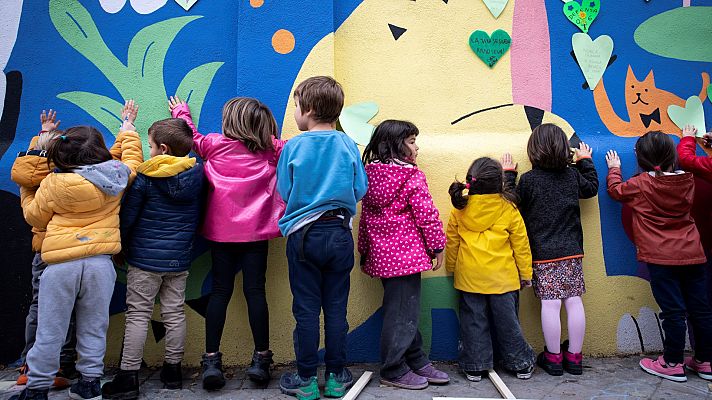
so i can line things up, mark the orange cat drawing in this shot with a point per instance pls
(647, 106)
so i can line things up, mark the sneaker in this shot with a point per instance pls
(573, 362)
(432, 374)
(125, 386)
(259, 371)
(659, 368)
(172, 376)
(475, 376)
(69, 371)
(86, 389)
(304, 389)
(551, 363)
(30, 394)
(525, 373)
(22, 379)
(61, 381)
(337, 384)
(703, 369)
(213, 378)
(410, 380)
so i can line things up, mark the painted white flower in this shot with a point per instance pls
(140, 6)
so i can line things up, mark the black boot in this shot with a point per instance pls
(31, 394)
(259, 371)
(213, 378)
(172, 376)
(123, 387)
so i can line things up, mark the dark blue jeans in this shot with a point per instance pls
(681, 291)
(320, 280)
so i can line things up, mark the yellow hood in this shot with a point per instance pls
(165, 166)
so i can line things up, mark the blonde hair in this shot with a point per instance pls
(46, 138)
(249, 121)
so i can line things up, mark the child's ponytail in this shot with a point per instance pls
(458, 199)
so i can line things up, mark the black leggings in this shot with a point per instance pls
(228, 259)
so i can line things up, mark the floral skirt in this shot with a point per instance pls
(559, 279)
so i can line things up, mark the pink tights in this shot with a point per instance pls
(551, 324)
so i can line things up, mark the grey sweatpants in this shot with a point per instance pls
(68, 352)
(84, 285)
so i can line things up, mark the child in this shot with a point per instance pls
(79, 207)
(549, 202)
(241, 216)
(29, 169)
(488, 250)
(159, 217)
(667, 240)
(400, 232)
(321, 178)
(700, 166)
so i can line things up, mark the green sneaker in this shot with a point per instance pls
(337, 384)
(292, 384)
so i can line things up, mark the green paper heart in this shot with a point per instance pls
(692, 114)
(592, 56)
(582, 15)
(354, 121)
(496, 6)
(186, 4)
(490, 49)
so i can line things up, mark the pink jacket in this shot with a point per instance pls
(243, 204)
(400, 226)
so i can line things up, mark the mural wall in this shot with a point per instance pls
(475, 76)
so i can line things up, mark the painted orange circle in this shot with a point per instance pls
(283, 41)
(257, 3)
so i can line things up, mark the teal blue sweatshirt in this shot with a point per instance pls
(319, 171)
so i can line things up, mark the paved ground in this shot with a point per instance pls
(603, 379)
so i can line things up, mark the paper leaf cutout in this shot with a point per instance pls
(186, 4)
(490, 49)
(582, 15)
(354, 121)
(692, 114)
(592, 56)
(496, 6)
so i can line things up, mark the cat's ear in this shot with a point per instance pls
(630, 76)
(650, 78)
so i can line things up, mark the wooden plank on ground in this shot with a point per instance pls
(358, 386)
(501, 387)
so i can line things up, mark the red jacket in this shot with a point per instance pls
(663, 230)
(689, 161)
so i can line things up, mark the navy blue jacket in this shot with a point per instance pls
(159, 218)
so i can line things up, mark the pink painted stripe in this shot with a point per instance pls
(531, 55)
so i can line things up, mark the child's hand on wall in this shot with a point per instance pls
(507, 162)
(128, 115)
(583, 151)
(174, 102)
(526, 283)
(439, 257)
(612, 159)
(688, 131)
(49, 120)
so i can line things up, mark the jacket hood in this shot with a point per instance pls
(179, 178)
(391, 177)
(670, 196)
(482, 211)
(111, 177)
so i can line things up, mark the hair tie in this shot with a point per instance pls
(467, 185)
(657, 168)
(63, 138)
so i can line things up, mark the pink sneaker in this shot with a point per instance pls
(660, 368)
(703, 369)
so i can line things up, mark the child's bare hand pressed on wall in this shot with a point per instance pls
(612, 159)
(49, 120)
(174, 101)
(507, 162)
(583, 151)
(128, 115)
(688, 131)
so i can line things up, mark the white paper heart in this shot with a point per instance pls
(692, 114)
(592, 56)
(496, 6)
(186, 4)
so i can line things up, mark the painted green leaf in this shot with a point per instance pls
(195, 85)
(76, 26)
(105, 110)
(147, 51)
(684, 33)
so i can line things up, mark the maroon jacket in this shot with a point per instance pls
(664, 232)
